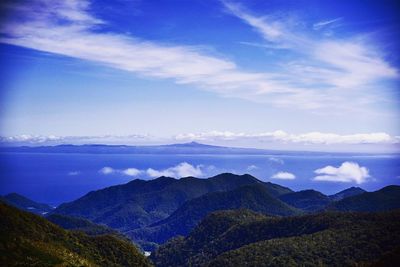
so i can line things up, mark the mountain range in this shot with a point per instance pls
(195, 222)
(141, 203)
(151, 212)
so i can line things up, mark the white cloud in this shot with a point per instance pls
(284, 176)
(183, 169)
(349, 64)
(306, 138)
(74, 173)
(107, 170)
(346, 172)
(27, 138)
(127, 172)
(39, 29)
(131, 172)
(53, 139)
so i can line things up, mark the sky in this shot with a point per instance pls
(313, 75)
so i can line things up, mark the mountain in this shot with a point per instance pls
(26, 204)
(31, 240)
(387, 198)
(244, 238)
(253, 197)
(307, 200)
(349, 192)
(141, 203)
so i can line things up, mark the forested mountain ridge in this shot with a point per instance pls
(253, 197)
(140, 203)
(387, 198)
(332, 239)
(26, 204)
(29, 240)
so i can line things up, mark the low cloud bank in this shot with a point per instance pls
(347, 172)
(279, 136)
(183, 169)
(284, 137)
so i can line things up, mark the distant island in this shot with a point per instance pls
(184, 148)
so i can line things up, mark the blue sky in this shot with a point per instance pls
(276, 74)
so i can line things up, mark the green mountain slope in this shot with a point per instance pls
(29, 240)
(182, 221)
(324, 239)
(387, 198)
(26, 204)
(276, 190)
(307, 200)
(83, 225)
(140, 203)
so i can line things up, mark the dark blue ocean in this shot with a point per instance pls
(55, 178)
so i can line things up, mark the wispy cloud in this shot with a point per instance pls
(321, 24)
(334, 67)
(252, 167)
(346, 172)
(68, 28)
(284, 176)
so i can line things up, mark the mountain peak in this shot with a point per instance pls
(352, 191)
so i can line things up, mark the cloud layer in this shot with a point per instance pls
(279, 136)
(183, 169)
(68, 28)
(348, 172)
(306, 138)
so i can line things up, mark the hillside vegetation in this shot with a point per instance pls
(324, 239)
(29, 240)
(26, 204)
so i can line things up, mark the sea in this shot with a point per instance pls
(55, 178)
